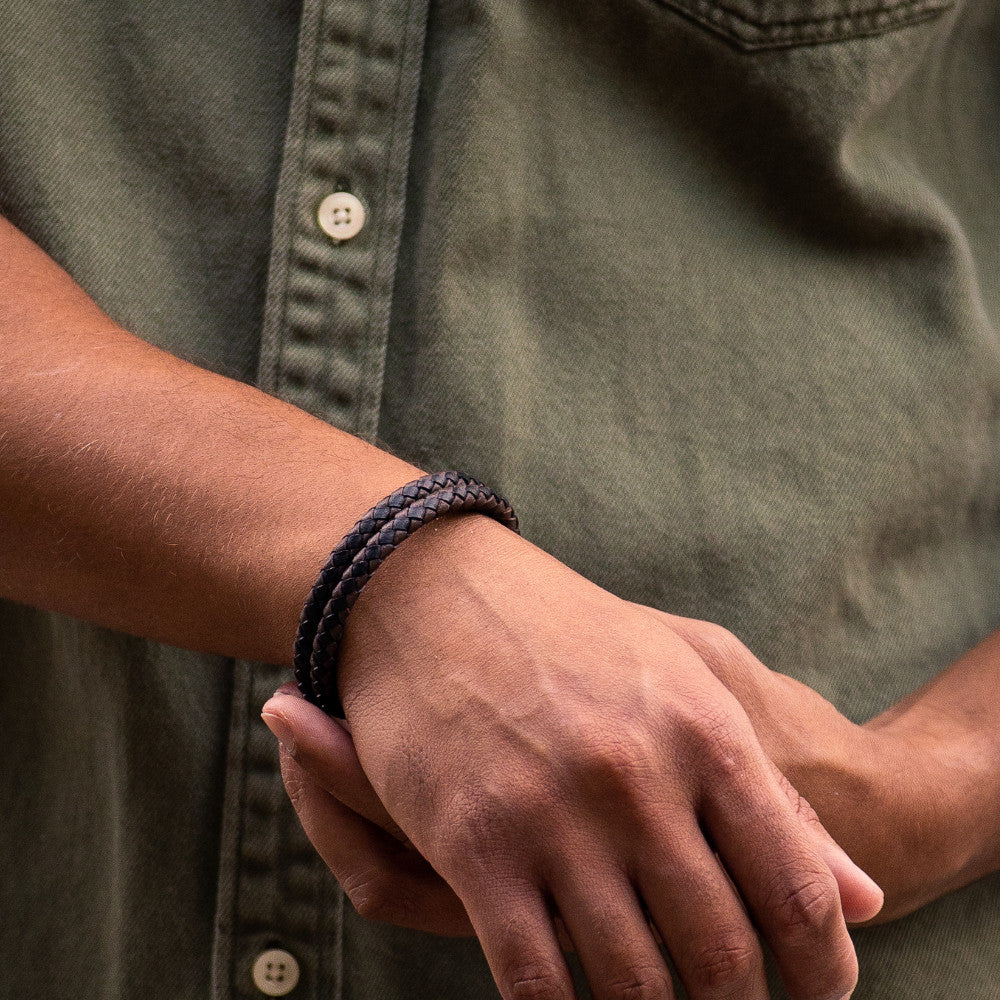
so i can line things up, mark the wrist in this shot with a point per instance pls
(284, 548)
(442, 578)
(962, 767)
(931, 827)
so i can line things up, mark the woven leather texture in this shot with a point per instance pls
(342, 556)
(358, 555)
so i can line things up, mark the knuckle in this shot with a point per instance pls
(806, 906)
(728, 648)
(723, 965)
(295, 787)
(716, 645)
(475, 820)
(727, 656)
(731, 764)
(530, 802)
(709, 722)
(485, 826)
(640, 984)
(376, 897)
(617, 763)
(720, 743)
(538, 983)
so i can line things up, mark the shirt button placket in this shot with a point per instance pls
(332, 278)
(338, 220)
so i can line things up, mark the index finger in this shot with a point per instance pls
(384, 880)
(324, 748)
(784, 881)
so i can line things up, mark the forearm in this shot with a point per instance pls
(143, 493)
(913, 796)
(954, 722)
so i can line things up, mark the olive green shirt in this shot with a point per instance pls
(708, 288)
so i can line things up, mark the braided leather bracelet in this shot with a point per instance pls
(360, 553)
(340, 558)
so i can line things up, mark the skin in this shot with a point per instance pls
(912, 795)
(546, 745)
(609, 770)
(154, 497)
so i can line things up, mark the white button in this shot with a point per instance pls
(341, 215)
(275, 972)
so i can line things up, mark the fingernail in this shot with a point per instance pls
(281, 730)
(289, 689)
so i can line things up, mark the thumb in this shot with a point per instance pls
(324, 748)
(860, 896)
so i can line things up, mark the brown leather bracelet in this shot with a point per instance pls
(341, 557)
(360, 553)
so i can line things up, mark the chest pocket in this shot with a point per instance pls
(769, 24)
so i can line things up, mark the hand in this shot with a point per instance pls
(582, 783)
(903, 794)
(381, 872)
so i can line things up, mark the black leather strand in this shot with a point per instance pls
(360, 553)
(340, 558)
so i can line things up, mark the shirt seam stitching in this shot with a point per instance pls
(869, 15)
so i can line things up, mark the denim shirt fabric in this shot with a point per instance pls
(708, 289)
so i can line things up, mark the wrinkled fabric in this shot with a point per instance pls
(708, 289)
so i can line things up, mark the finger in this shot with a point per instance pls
(860, 896)
(325, 749)
(700, 917)
(384, 880)
(516, 932)
(562, 935)
(784, 881)
(612, 936)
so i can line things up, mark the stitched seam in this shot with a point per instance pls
(318, 937)
(240, 829)
(906, 8)
(376, 346)
(339, 931)
(299, 171)
(370, 287)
